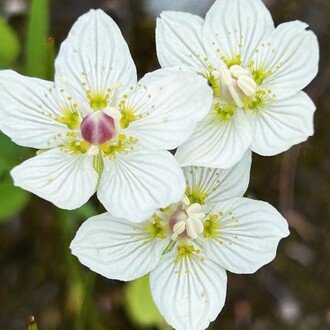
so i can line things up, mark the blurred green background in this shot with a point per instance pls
(39, 276)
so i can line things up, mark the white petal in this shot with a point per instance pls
(113, 112)
(116, 248)
(286, 123)
(189, 294)
(66, 180)
(134, 185)
(248, 235)
(234, 28)
(94, 53)
(27, 110)
(215, 143)
(179, 41)
(168, 106)
(291, 54)
(185, 200)
(217, 185)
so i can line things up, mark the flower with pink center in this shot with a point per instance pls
(188, 246)
(99, 130)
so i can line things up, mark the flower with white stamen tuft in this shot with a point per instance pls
(256, 73)
(188, 246)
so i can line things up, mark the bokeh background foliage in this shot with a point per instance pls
(39, 276)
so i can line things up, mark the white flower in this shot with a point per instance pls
(256, 73)
(189, 245)
(98, 129)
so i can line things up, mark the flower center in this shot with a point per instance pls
(98, 128)
(187, 220)
(236, 84)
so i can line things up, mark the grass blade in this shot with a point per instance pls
(36, 44)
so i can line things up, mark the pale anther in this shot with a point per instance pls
(237, 71)
(247, 85)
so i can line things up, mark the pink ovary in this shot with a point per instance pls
(98, 128)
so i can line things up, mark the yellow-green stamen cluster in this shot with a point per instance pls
(185, 251)
(214, 82)
(121, 145)
(211, 226)
(156, 229)
(127, 116)
(70, 117)
(75, 146)
(258, 102)
(258, 74)
(223, 112)
(98, 101)
(127, 113)
(196, 195)
(235, 60)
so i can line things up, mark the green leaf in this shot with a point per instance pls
(10, 46)
(11, 154)
(50, 57)
(13, 199)
(140, 305)
(36, 45)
